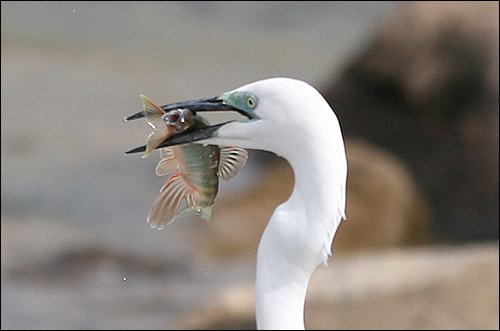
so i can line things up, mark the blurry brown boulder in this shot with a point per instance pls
(426, 90)
(384, 208)
(419, 110)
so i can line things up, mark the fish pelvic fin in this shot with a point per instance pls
(232, 159)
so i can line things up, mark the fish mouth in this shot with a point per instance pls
(195, 134)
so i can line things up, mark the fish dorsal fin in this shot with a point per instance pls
(232, 159)
(153, 114)
(168, 162)
(168, 202)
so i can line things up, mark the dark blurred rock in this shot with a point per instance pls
(98, 263)
(426, 89)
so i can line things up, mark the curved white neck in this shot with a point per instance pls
(299, 235)
(296, 123)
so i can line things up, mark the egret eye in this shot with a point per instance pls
(251, 102)
(244, 102)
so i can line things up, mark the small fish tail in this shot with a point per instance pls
(153, 114)
(206, 213)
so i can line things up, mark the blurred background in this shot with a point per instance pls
(415, 86)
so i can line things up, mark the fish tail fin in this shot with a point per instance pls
(151, 109)
(168, 202)
(153, 114)
(206, 213)
(186, 212)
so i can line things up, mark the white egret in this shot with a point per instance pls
(291, 119)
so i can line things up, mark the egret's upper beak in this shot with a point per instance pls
(206, 104)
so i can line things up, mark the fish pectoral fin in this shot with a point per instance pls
(232, 159)
(168, 162)
(168, 202)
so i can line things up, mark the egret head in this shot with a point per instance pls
(279, 112)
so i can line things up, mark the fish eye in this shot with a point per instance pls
(251, 102)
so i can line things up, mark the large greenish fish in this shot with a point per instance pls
(194, 168)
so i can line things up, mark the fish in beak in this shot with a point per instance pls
(230, 101)
(194, 168)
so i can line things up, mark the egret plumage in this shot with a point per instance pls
(291, 119)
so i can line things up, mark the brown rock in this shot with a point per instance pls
(426, 90)
(384, 207)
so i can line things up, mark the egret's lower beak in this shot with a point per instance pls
(207, 104)
(184, 137)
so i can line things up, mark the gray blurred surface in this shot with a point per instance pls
(76, 251)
